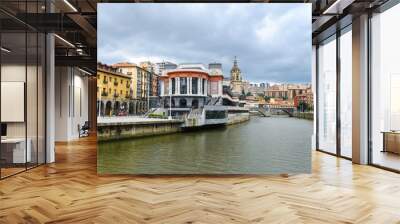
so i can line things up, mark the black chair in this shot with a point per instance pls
(84, 130)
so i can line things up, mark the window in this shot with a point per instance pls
(203, 87)
(183, 85)
(385, 89)
(194, 85)
(215, 114)
(173, 85)
(346, 93)
(327, 95)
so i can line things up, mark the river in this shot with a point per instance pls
(263, 145)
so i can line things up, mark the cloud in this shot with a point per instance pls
(271, 41)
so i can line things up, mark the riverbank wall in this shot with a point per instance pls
(134, 128)
(304, 115)
(115, 128)
(236, 118)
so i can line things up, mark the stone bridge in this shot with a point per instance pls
(273, 108)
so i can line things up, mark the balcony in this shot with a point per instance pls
(116, 95)
(103, 93)
(115, 83)
(105, 81)
(128, 85)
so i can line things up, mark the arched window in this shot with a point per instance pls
(195, 104)
(182, 103)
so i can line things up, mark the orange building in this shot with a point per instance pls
(190, 86)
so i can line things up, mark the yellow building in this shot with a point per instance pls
(130, 70)
(113, 91)
(139, 86)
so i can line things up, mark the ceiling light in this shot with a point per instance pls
(86, 72)
(70, 5)
(338, 6)
(5, 50)
(65, 41)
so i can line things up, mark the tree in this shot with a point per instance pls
(303, 106)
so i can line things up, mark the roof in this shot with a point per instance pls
(124, 64)
(110, 70)
(198, 66)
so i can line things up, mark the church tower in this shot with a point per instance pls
(236, 79)
(235, 72)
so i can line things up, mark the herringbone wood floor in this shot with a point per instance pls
(69, 191)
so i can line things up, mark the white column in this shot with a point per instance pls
(50, 99)
(198, 86)
(178, 85)
(206, 87)
(189, 85)
(170, 86)
(360, 90)
(162, 88)
(220, 87)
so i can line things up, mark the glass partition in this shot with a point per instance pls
(22, 101)
(327, 95)
(15, 150)
(385, 89)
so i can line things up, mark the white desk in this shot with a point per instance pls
(18, 149)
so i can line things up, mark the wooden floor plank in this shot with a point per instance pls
(70, 191)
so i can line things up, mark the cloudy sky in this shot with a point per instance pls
(272, 41)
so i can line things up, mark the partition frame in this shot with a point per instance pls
(382, 8)
(339, 32)
(44, 94)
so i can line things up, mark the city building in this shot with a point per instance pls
(113, 91)
(160, 67)
(189, 86)
(140, 86)
(128, 68)
(256, 89)
(147, 65)
(286, 91)
(277, 91)
(296, 89)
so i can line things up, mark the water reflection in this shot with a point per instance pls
(260, 146)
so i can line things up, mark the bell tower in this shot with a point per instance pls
(236, 78)
(235, 71)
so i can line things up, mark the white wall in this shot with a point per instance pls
(71, 103)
